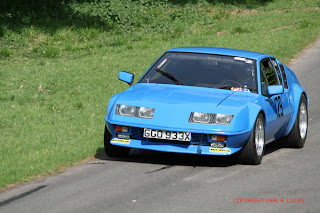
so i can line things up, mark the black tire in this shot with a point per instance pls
(112, 150)
(294, 139)
(250, 154)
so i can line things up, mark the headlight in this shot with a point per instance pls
(223, 119)
(126, 110)
(134, 111)
(145, 112)
(200, 117)
(210, 118)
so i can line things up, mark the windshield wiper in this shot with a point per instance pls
(170, 76)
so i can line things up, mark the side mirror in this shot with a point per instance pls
(126, 77)
(275, 90)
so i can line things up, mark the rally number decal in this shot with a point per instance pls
(279, 107)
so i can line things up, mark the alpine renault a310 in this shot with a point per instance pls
(208, 101)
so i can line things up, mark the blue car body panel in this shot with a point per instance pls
(295, 91)
(174, 103)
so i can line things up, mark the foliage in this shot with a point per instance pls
(5, 53)
(49, 28)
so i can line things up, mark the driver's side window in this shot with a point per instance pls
(267, 68)
(264, 84)
(268, 75)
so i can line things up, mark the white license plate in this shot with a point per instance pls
(167, 135)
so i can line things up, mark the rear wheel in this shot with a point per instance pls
(112, 150)
(297, 136)
(252, 152)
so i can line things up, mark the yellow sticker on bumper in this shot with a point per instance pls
(220, 150)
(116, 140)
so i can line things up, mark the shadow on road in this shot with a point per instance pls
(14, 198)
(171, 159)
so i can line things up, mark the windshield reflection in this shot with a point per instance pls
(204, 70)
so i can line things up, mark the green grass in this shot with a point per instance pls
(55, 83)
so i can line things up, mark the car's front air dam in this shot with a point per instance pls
(177, 148)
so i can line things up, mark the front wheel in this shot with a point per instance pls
(252, 152)
(112, 150)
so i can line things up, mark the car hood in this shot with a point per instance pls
(156, 94)
(174, 103)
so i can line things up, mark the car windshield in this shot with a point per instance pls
(204, 70)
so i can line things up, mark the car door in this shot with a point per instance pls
(288, 100)
(276, 105)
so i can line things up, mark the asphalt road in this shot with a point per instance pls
(160, 182)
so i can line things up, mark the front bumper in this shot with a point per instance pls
(176, 148)
(199, 144)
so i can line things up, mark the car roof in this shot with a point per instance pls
(221, 51)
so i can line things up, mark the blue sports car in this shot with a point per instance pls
(209, 101)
